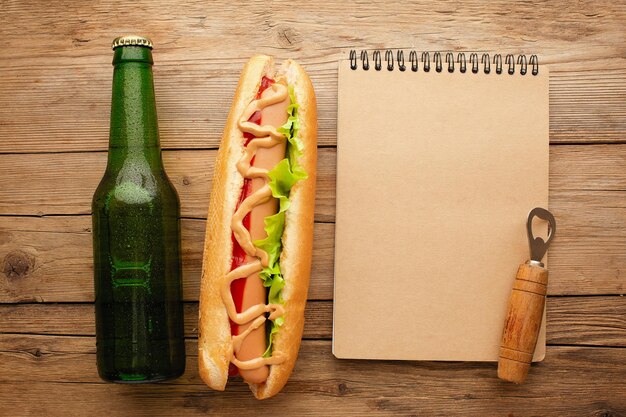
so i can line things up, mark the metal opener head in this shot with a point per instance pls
(538, 246)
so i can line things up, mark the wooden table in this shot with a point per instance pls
(55, 86)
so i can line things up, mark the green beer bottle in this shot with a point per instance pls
(136, 235)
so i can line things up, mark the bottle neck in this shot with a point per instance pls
(134, 131)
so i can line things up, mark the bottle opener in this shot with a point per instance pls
(526, 305)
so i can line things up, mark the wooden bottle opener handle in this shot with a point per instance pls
(523, 321)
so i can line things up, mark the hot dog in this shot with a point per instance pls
(259, 236)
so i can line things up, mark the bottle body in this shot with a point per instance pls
(136, 239)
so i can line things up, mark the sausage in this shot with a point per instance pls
(255, 344)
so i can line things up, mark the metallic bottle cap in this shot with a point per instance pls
(131, 40)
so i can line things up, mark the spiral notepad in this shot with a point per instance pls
(440, 157)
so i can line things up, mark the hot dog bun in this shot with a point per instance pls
(214, 345)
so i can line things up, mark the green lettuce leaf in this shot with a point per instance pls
(282, 178)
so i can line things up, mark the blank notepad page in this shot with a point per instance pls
(436, 174)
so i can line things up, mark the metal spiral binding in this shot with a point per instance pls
(401, 65)
(510, 61)
(450, 61)
(389, 59)
(534, 61)
(462, 61)
(437, 58)
(485, 60)
(426, 61)
(414, 61)
(365, 60)
(497, 60)
(474, 62)
(353, 63)
(378, 62)
(522, 61)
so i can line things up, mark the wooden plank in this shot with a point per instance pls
(78, 320)
(199, 55)
(587, 190)
(578, 102)
(49, 259)
(41, 374)
(587, 197)
(580, 168)
(308, 398)
(202, 33)
(45, 184)
(193, 102)
(590, 321)
(193, 35)
(593, 321)
(590, 242)
(65, 183)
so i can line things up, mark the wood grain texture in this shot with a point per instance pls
(65, 67)
(78, 320)
(55, 86)
(522, 323)
(60, 183)
(61, 373)
(44, 184)
(49, 259)
(595, 320)
(586, 321)
(587, 197)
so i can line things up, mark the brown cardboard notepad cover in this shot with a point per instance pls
(436, 173)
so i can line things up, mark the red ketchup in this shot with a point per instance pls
(239, 255)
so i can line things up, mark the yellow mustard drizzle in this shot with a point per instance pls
(266, 136)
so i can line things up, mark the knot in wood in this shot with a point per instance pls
(605, 413)
(342, 388)
(288, 37)
(18, 264)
